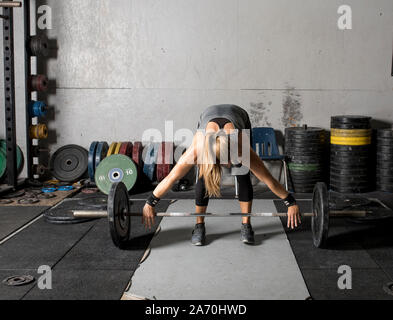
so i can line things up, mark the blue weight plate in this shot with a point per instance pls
(150, 160)
(101, 151)
(91, 162)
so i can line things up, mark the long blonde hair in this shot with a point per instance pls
(214, 153)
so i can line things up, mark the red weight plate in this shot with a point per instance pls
(126, 149)
(165, 160)
(137, 149)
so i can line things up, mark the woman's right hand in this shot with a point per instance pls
(148, 216)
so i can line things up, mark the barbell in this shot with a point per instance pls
(119, 215)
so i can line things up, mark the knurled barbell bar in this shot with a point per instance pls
(119, 215)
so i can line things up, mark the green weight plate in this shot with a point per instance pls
(3, 163)
(115, 168)
(19, 155)
(118, 218)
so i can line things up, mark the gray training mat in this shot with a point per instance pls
(225, 268)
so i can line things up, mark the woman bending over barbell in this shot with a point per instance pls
(221, 140)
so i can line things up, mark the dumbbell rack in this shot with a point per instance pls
(9, 92)
(9, 89)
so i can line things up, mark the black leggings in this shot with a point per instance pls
(245, 190)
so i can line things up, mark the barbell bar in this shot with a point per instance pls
(119, 215)
(10, 4)
(90, 214)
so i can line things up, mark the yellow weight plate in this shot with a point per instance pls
(351, 141)
(118, 148)
(39, 131)
(350, 132)
(111, 149)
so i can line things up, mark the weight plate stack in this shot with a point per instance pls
(304, 150)
(385, 160)
(350, 154)
(164, 160)
(69, 163)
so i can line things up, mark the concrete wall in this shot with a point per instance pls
(123, 66)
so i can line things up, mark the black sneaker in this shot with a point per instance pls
(247, 234)
(199, 235)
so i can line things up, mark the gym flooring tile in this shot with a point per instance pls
(15, 293)
(85, 263)
(366, 284)
(13, 218)
(96, 250)
(41, 243)
(309, 257)
(225, 268)
(83, 285)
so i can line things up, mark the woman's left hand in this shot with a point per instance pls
(293, 216)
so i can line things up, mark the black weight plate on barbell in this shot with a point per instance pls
(69, 163)
(385, 133)
(320, 218)
(119, 221)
